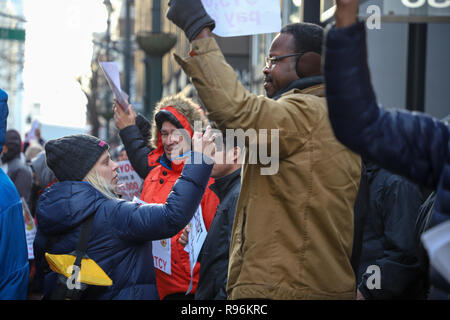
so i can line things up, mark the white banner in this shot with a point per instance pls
(244, 17)
(197, 236)
(161, 250)
(30, 228)
(129, 181)
(162, 255)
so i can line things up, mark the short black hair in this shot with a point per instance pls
(307, 36)
(227, 144)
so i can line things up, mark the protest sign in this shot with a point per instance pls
(32, 133)
(161, 250)
(244, 17)
(30, 228)
(197, 236)
(162, 253)
(129, 181)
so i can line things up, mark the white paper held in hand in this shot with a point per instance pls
(196, 237)
(437, 242)
(111, 71)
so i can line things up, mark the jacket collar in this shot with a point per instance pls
(169, 165)
(301, 84)
(370, 169)
(222, 185)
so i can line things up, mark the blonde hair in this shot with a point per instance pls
(99, 183)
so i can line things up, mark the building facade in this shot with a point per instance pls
(245, 54)
(12, 40)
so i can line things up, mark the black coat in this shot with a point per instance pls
(215, 251)
(391, 205)
(135, 138)
(413, 145)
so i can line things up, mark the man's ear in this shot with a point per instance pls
(309, 65)
(236, 154)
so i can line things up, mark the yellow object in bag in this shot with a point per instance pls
(90, 272)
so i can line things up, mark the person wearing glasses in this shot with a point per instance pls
(293, 229)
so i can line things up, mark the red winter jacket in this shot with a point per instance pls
(157, 186)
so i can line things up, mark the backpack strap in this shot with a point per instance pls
(83, 240)
(61, 291)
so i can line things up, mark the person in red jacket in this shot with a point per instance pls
(159, 167)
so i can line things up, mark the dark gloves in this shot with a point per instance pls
(190, 16)
(144, 126)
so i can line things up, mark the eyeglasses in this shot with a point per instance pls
(270, 61)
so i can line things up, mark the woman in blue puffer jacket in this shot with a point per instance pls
(121, 235)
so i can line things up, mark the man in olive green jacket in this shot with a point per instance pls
(293, 229)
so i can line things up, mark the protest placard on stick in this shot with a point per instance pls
(129, 181)
(244, 17)
(30, 228)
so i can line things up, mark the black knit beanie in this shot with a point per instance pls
(72, 157)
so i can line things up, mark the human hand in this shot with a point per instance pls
(204, 143)
(359, 295)
(184, 237)
(190, 16)
(346, 12)
(123, 118)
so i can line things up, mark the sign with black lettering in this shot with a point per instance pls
(244, 17)
(129, 181)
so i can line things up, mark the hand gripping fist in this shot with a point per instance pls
(190, 16)
(346, 12)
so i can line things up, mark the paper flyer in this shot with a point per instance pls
(437, 243)
(197, 236)
(30, 229)
(111, 71)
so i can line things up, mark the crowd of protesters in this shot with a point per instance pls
(356, 184)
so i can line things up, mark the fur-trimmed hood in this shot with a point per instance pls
(186, 107)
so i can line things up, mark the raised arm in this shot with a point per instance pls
(133, 139)
(157, 221)
(287, 120)
(410, 144)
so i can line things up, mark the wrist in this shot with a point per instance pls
(345, 21)
(345, 18)
(205, 33)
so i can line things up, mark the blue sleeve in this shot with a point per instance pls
(3, 116)
(135, 222)
(407, 143)
(14, 268)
